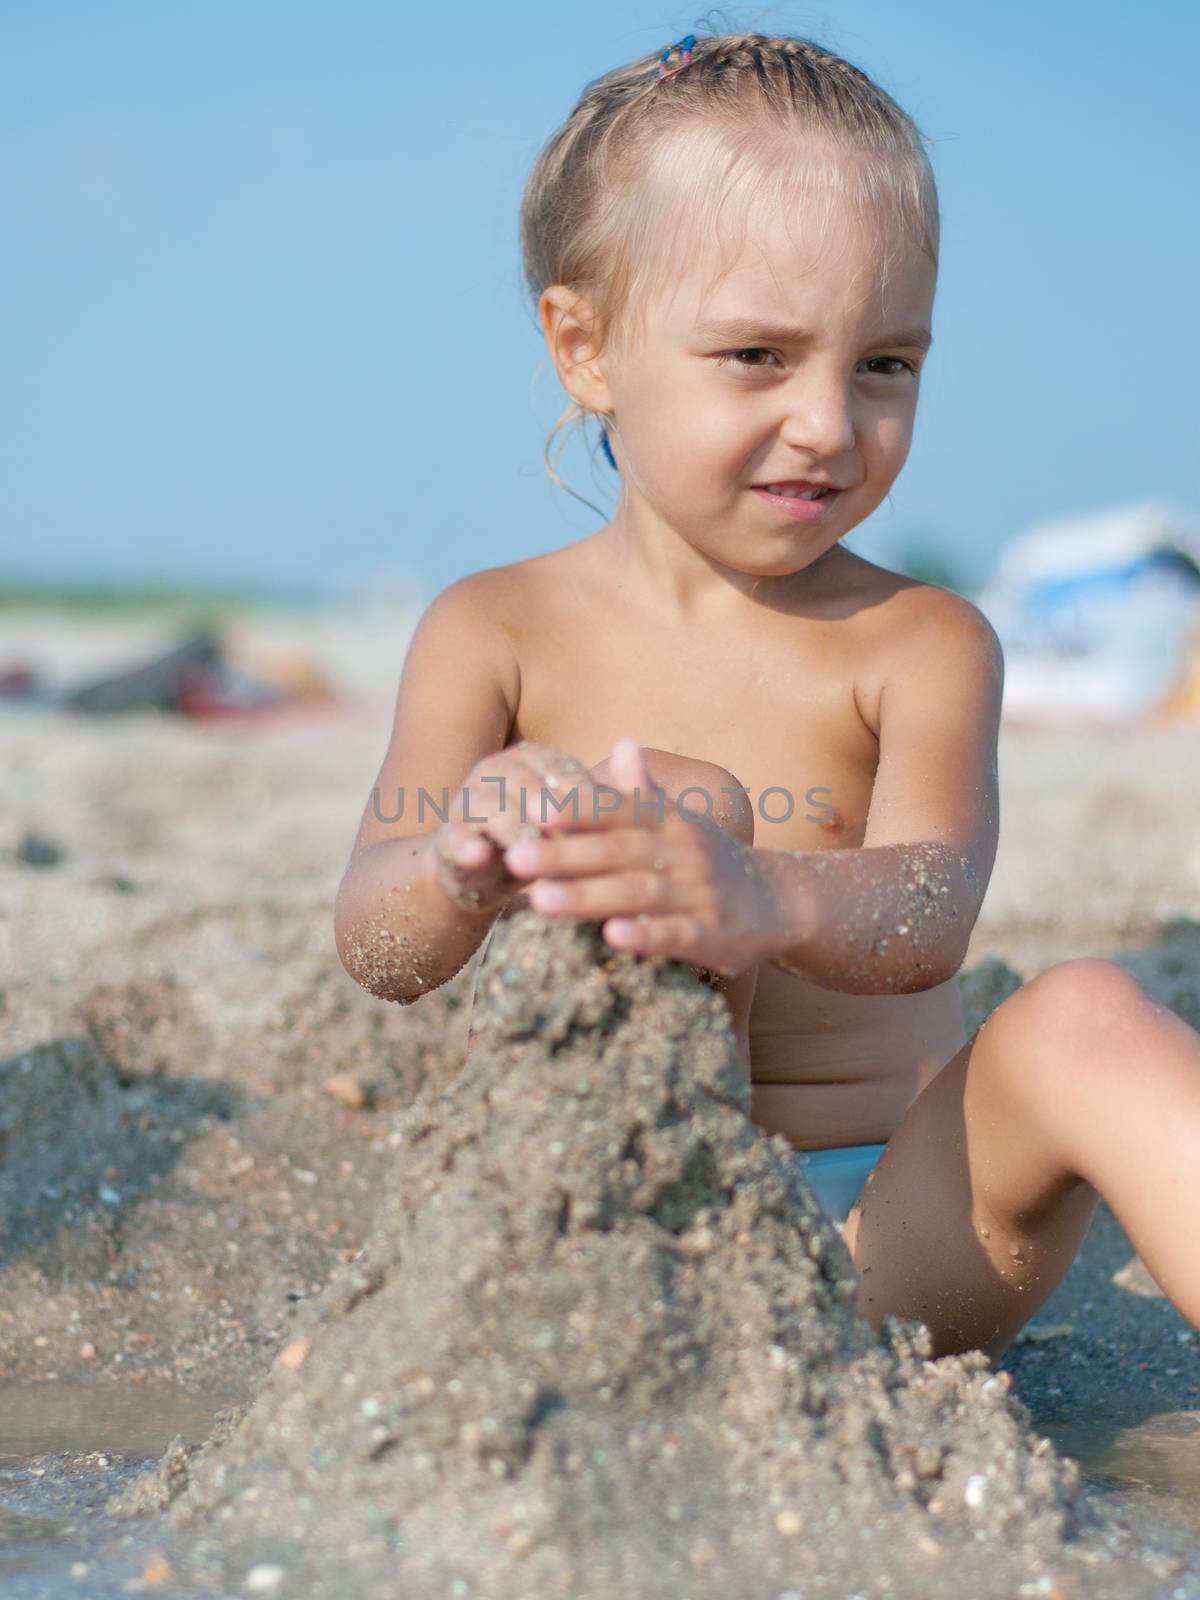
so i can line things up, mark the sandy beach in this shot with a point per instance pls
(199, 1112)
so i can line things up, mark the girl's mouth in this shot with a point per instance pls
(804, 502)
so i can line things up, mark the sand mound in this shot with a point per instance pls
(602, 1341)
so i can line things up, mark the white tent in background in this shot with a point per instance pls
(1100, 618)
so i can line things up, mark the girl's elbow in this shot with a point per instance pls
(368, 954)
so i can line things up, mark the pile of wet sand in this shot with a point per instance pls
(178, 1178)
(601, 1341)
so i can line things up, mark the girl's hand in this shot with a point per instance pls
(679, 887)
(501, 800)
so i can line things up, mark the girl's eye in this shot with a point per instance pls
(878, 366)
(736, 356)
(890, 366)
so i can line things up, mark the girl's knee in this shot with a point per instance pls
(1076, 996)
(1052, 1039)
(1085, 997)
(699, 786)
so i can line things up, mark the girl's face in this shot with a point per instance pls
(799, 369)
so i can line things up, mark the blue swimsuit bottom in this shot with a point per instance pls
(836, 1176)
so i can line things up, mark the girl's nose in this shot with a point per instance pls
(821, 418)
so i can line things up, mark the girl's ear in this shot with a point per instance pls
(567, 320)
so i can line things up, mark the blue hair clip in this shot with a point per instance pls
(686, 46)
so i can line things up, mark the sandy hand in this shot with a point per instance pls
(664, 880)
(503, 799)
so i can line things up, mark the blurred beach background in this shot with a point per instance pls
(266, 337)
(272, 382)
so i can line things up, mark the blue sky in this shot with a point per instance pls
(263, 321)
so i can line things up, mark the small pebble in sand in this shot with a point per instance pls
(87, 1352)
(156, 1571)
(293, 1355)
(36, 850)
(1044, 1333)
(351, 1091)
(789, 1523)
(265, 1578)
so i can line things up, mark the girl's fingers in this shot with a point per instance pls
(471, 869)
(557, 768)
(497, 814)
(584, 854)
(627, 762)
(462, 847)
(550, 794)
(619, 894)
(524, 802)
(671, 936)
(549, 781)
(597, 807)
(472, 851)
(578, 801)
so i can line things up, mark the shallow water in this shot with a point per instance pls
(64, 1448)
(137, 1419)
(1153, 1462)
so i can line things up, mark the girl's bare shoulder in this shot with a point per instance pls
(504, 594)
(892, 603)
(912, 631)
(522, 578)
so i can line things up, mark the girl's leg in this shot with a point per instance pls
(1076, 1086)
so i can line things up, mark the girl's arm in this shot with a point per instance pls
(398, 932)
(895, 916)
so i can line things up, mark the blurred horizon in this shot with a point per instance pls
(265, 328)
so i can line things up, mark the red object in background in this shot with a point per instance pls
(204, 691)
(199, 678)
(16, 683)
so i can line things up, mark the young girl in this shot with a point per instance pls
(763, 755)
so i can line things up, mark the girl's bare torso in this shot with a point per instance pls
(784, 696)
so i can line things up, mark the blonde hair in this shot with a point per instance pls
(614, 198)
